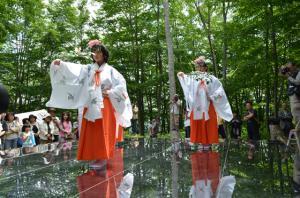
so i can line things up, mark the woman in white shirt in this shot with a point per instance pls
(46, 129)
(11, 136)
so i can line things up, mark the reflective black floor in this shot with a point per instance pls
(159, 170)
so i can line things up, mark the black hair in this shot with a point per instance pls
(249, 102)
(51, 109)
(8, 114)
(26, 126)
(203, 65)
(102, 49)
(32, 116)
(25, 120)
(65, 113)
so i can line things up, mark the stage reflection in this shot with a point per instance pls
(205, 173)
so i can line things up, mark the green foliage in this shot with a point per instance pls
(249, 46)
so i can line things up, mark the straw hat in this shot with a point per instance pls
(45, 115)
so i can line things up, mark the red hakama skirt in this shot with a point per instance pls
(97, 139)
(205, 132)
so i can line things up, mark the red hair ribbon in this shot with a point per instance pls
(97, 78)
(202, 84)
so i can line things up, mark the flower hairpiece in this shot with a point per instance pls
(200, 60)
(92, 43)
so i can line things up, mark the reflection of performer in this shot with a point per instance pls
(205, 98)
(103, 182)
(206, 174)
(101, 89)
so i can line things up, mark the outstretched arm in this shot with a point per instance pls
(69, 83)
(187, 84)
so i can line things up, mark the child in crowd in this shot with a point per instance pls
(27, 137)
(65, 127)
(34, 128)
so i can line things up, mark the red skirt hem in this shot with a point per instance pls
(97, 139)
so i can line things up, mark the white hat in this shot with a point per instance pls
(45, 115)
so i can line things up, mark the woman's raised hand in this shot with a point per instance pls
(105, 92)
(56, 62)
(180, 74)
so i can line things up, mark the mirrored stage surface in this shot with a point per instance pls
(158, 168)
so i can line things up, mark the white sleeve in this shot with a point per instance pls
(120, 100)
(69, 85)
(186, 83)
(218, 96)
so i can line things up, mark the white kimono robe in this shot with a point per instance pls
(73, 87)
(200, 88)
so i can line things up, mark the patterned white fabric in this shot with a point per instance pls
(73, 87)
(201, 88)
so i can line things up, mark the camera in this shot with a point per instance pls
(284, 70)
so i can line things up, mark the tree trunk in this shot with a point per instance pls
(172, 87)
(225, 43)
(159, 63)
(275, 60)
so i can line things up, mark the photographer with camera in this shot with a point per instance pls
(291, 72)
